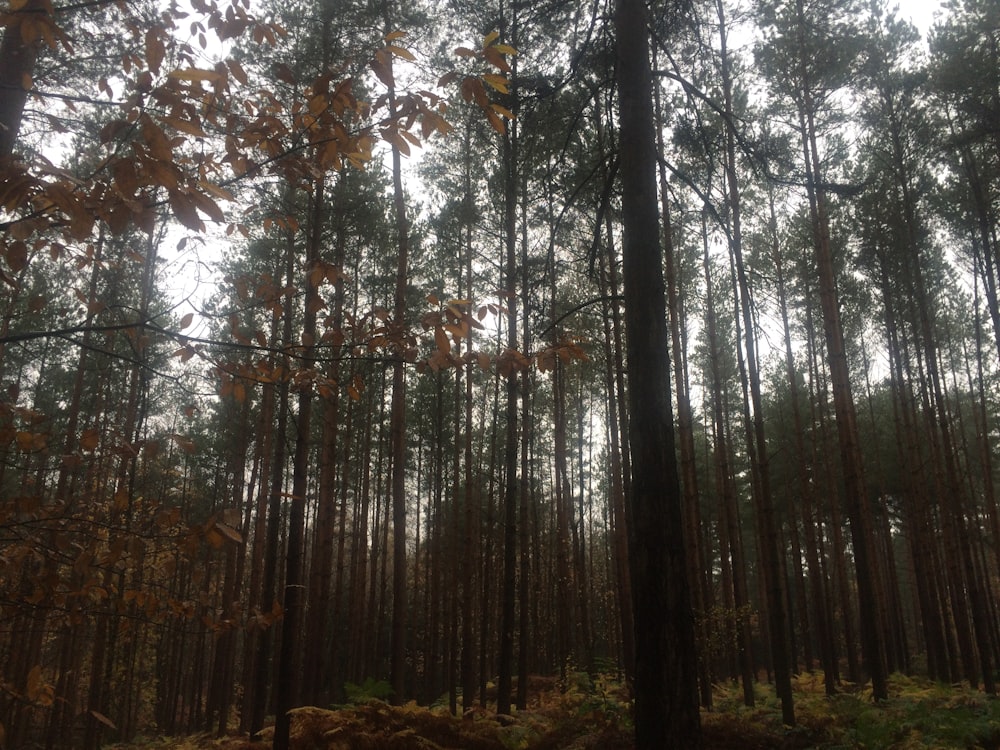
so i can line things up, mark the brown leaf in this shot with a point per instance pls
(209, 207)
(185, 444)
(120, 500)
(186, 126)
(185, 353)
(17, 256)
(401, 52)
(229, 532)
(103, 719)
(185, 211)
(156, 139)
(448, 78)
(34, 683)
(237, 70)
(284, 73)
(154, 49)
(496, 59)
(442, 340)
(89, 439)
(497, 82)
(112, 129)
(125, 176)
(196, 74)
(30, 442)
(382, 72)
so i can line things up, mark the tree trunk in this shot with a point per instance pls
(287, 686)
(397, 428)
(770, 532)
(17, 63)
(666, 677)
(729, 512)
(821, 615)
(511, 480)
(856, 497)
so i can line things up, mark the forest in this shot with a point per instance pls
(447, 354)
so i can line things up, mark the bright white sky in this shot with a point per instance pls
(920, 12)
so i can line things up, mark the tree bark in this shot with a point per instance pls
(511, 479)
(666, 677)
(17, 63)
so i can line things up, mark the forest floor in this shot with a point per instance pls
(594, 715)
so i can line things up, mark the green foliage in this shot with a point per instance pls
(606, 702)
(722, 634)
(918, 714)
(369, 690)
(517, 736)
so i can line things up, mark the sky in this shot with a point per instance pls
(920, 12)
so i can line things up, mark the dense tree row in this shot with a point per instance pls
(342, 354)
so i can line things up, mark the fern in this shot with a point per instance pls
(369, 690)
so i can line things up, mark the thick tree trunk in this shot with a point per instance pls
(17, 63)
(666, 701)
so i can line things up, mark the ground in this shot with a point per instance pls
(593, 714)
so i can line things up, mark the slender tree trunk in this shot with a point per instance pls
(511, 483)
(471, 525)
(287, 687)
(276, 485)
(733, 549)
(318, 660)
(618, 522)
(856, 496)
(821, 615)
(617, 428)
(526, 485)
(397, 425)
(257, 604)
(823, 458)
(770, 532)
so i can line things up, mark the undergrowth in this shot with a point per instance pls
(594, 713)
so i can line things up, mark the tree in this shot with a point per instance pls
(666, 708)
(810, 55)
